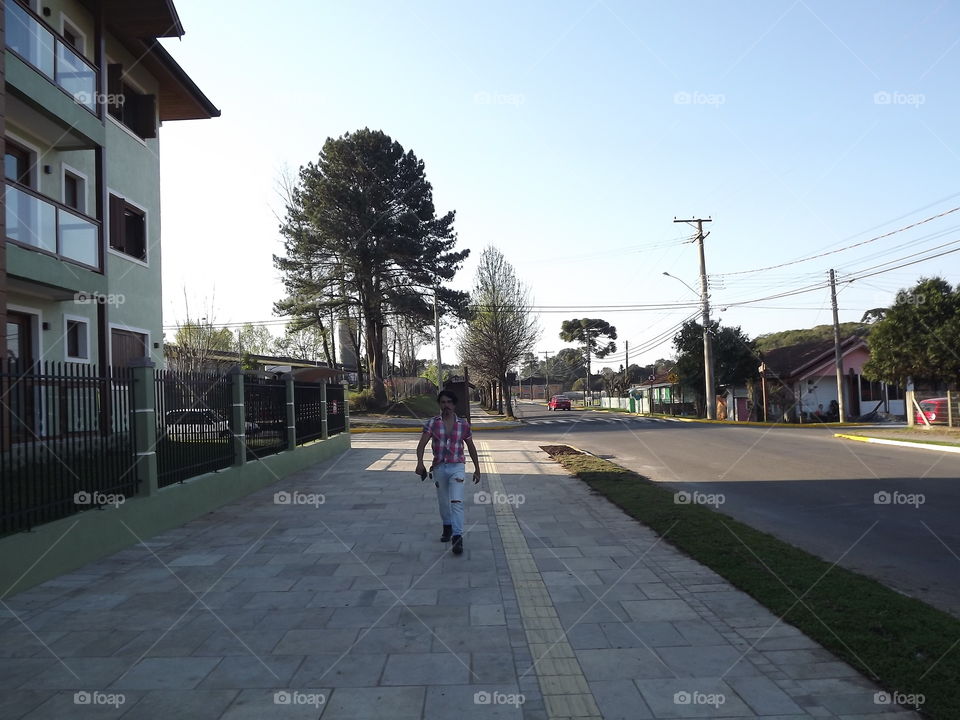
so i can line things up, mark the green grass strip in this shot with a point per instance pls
(902, 644)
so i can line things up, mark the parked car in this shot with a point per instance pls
(935, 410)
(200, 424)
(559, 402)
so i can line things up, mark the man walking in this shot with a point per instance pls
(449, 433)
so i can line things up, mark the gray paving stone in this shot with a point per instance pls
(433, 616)
(764, 696)
(166, 704)
(470, 639)
(689, 698)
(397, 703)
(495, 667)
(622, 664)
(17, 703)
(68, 704)
(619, 700)
(473, 702)
(309, 642)
(438, 668)
(364, 617)
(587, 636)
(642, 634)
(16, 671)
(387, 641)
(491, 614)
(181, 673)
(246, 671)
(350, 669)
(293, 704)
(649, 610)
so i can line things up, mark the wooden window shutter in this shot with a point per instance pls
(116, 223)
(146, 116)
(114, 88)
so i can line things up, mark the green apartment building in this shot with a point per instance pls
(86, 87)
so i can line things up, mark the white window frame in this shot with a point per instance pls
(35, 151)
(64, 171)
(66, 347)
(146, 231)
(128, 328)
(65, 21)
(139, 88)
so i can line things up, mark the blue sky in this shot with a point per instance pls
(570, 134)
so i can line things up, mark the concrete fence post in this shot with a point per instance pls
(238, 420)
(324, 424)
(291, 412)
(143, 422)
(909, 402)
(346, 408)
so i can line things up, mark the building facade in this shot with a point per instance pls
(86, 88)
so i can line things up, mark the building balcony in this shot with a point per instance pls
(37, 44)
(51, 228)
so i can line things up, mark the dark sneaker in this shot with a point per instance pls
(458, 544)
(447, 532)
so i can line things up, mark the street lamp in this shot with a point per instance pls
(710, 389)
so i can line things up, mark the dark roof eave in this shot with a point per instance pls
(205, 106)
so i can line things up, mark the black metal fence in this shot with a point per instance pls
(265, 409)
(66, 441)
(193, 425)
(308, 403)
(336, 409)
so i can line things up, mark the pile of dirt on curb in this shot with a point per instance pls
(554, 450)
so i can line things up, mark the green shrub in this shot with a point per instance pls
(362, 401)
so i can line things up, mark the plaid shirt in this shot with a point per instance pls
(448, 448)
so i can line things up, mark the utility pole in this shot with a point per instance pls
(546, 372)
(705, 301)
(436, 325)
(837, 354)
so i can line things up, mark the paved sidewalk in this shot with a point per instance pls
(479, 419)
(560, 607)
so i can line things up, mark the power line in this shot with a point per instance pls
(843, 249)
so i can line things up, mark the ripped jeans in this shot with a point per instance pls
(449, 479)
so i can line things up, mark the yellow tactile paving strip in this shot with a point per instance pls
(566, 694)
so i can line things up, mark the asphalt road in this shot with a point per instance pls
(802, 485)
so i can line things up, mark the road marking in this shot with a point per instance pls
(566, 693)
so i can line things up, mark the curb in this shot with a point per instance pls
(361, 430)
(899, 443)
(736, 423)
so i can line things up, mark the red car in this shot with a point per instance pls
(559, 402)
(935, 410)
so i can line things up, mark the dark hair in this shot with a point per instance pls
(447, 394)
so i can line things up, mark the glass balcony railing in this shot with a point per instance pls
(53, 228)
(33, 40)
